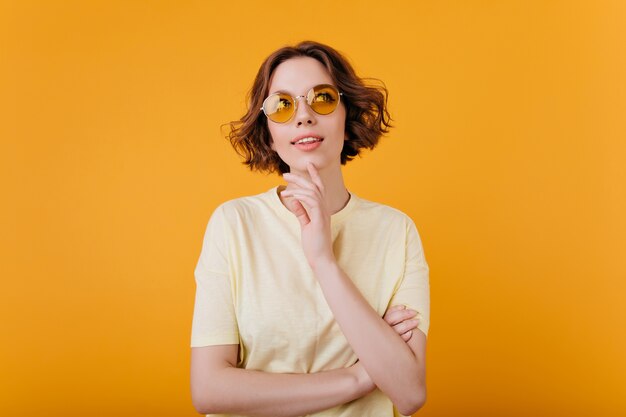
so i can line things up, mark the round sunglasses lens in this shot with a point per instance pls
(323, 99)
(278, 107)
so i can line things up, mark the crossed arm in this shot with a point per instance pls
(218, 386)
(397, 369)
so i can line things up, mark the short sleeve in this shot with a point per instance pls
(414, 288)
(214, 320)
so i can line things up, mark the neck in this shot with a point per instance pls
(336, 194)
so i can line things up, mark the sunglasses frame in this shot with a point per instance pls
(295, 101)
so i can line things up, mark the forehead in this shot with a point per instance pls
(297, 75)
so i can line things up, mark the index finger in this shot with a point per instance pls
(298, 180)
(315, 176)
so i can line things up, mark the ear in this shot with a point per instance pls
(272, 145)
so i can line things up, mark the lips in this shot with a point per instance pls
(308, 146)
(306, 135)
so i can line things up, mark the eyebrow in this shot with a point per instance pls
(288, 92)
(282, 91)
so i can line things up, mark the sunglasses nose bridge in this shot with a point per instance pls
(309, 110)
(296, 101)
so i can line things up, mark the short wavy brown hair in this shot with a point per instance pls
(367, 118)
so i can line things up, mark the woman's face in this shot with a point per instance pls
(295, 77)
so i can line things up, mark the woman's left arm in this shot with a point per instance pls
(395, 366)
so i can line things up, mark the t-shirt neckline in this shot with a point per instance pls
(335, 218)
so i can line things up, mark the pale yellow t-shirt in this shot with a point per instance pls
(254, 286)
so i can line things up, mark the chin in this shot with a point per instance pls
(320, 161)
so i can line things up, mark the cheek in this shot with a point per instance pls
(272, 136)
(341, 128)
(342, 118)
(275, 136)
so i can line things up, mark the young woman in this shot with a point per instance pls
(307, 295)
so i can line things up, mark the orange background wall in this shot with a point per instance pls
(509, 153)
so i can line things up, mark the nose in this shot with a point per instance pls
(304, 113)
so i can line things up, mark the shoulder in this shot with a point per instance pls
(385, 213)
(248, 206)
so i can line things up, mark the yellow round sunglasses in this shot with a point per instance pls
(280, 106)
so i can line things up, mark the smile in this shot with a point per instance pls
(306, 137)
(309, 139)
(309, 145)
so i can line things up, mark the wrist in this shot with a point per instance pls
(323, 265)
